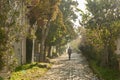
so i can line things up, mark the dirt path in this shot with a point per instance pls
(75, 69)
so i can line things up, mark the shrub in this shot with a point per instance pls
(30, 71)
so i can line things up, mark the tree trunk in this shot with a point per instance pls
(49, 52)
(21, 52)
(45, 31)
(45, 53)
(42, 49)
(33, 50)
(105, 57)
(57, 49)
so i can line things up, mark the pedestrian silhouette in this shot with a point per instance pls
(69, 51)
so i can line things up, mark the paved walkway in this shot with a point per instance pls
(75, 69)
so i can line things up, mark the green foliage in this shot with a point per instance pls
(95, 41)
(43, 11)
(102, 12)
(12, 29)
(1, 78)
(30, 71)
(29, 66)
(56, 32)
(105, 73)
(2, 47)
(102, 27)
(68, 9)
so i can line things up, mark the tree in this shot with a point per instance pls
(43, 13)
(11, 29)
(58, 29)
(56, 33)
(103, 14)
(68, 8)
(63, 25)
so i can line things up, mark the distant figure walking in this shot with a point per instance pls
(69, 51)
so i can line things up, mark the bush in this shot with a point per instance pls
(105, 73)
(88, 51)
(1, 78)
(30, 71)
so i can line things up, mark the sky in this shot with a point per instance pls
(81, 4)
(82, 7)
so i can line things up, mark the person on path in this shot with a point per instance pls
(69, 51)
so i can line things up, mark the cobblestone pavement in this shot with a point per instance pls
(75, 69)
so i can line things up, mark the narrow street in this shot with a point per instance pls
(75, 69)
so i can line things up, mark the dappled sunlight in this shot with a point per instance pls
(59, 39)
(75, 69)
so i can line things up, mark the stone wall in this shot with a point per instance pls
(20, 51)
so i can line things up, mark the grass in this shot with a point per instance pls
(1, 78)
(30, 71)
(105, 73)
